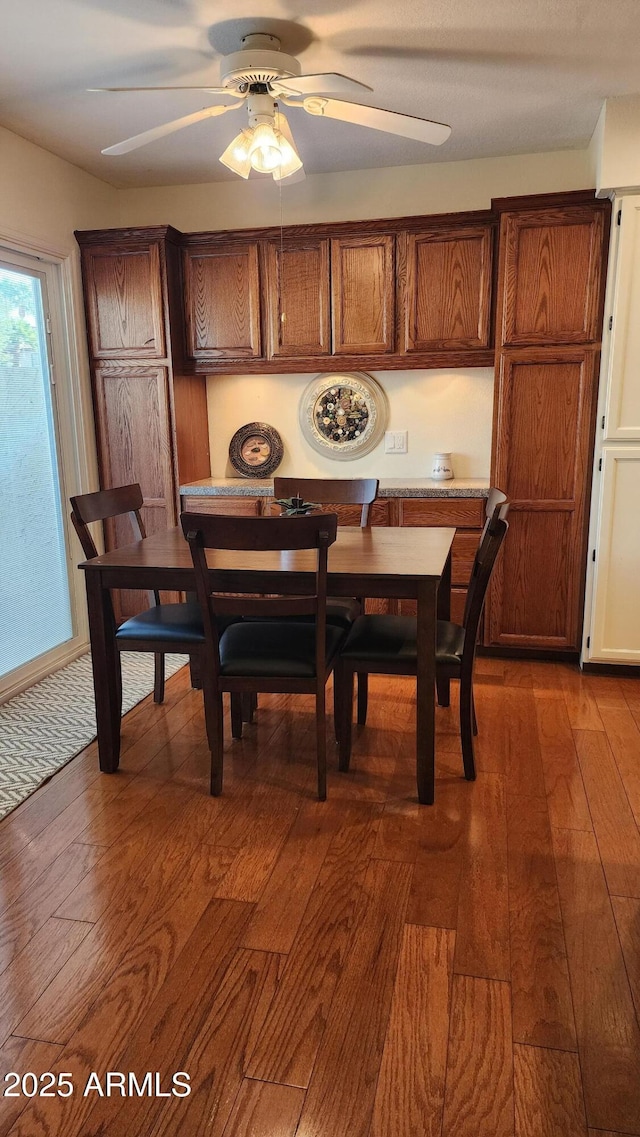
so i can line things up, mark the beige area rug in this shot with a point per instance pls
(46, 726)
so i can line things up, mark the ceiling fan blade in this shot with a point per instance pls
(409, 126)
(167, 128)
(330, 83)
(211, 90)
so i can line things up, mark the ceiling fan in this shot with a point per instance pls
(263, 76)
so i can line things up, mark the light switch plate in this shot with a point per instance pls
(396, 442)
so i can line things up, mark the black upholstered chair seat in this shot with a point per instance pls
(342, 611)
(390, 639)
(274, 649)
(166, 622)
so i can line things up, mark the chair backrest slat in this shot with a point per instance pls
(331, 491)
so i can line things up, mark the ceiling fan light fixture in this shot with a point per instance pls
(264, 150)
(291, 161)
(236, 157)
(267, 148)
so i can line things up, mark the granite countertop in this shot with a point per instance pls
(389, 487)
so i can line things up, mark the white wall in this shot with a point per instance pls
(442, 410)
(42, 200)
(442, 187)
(44, 197)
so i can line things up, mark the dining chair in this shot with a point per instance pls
(341, 610)
(272, 653)
(160, 628)
(387, 645)
(494, 497)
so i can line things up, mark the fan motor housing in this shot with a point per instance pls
(260, 61)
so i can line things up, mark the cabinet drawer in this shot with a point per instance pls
(379, 513)
(224, 506)
(462, 512)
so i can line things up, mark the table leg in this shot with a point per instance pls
(106, 673)
(444, 591)
(425, 691)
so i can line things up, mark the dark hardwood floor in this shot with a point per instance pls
(364, 967)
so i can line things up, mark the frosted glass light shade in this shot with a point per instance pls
(236, 156)
(290, 159)
(265, 148)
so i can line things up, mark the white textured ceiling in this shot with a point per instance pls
(509, 76)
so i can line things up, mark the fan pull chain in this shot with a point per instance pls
(283, 315)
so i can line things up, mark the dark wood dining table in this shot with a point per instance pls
(396, 564)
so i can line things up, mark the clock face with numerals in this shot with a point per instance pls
(256, 450)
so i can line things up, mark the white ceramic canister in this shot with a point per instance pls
(442, 470)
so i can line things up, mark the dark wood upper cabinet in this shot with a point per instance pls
(296, 297)
(445, 288)
(222, 298)
(363, 294)
(551, 276)
(124, 302)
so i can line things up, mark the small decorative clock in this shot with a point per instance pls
(343, 416)
(256, 450)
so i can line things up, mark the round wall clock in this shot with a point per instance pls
(256, 450)
(343, 416)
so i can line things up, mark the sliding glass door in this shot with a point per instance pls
(36, 610)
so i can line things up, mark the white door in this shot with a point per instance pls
(37, 596)
(615, 615)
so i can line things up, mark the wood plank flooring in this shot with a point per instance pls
(364, 967)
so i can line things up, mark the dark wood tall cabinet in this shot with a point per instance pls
(548, 333)
(151, 416)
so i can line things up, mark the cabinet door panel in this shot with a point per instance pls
(134, 446)
(222, 287)
(541, 417)
(533, 581)
(445, 282)
(551, 275)
(545, 418)
(622, 415)
(363, 291)
(458, 601)
(124, 302)
(297, 298)
(615, 635)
